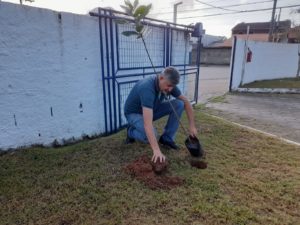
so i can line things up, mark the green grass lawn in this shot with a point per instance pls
(250, 179)
(277, 83)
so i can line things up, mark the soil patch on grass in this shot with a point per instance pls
(152, 175)
(198, 164)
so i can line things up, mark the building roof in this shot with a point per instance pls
(261, 25)
(261, 36)
(252, 37)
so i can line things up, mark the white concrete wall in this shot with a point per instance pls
(269, 61)
(48, 63)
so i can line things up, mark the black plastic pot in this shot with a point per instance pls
(194, 146)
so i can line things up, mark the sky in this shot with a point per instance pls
(189, 12)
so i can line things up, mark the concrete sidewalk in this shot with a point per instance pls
(278, 114)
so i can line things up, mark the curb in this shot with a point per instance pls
(256, 130)
(269, 90)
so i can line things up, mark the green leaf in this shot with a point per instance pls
(148, 8)
(130, 33)
(128, 3)
(139, 27)
(142, 11)
(135, 4)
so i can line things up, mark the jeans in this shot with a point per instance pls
(136, 128)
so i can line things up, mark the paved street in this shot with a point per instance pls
(214, 81)
(277, 114)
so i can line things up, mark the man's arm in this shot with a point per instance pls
(190, 114)
(148, 125)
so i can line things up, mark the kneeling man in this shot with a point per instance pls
(149, 101)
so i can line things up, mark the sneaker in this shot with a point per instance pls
(129, 140)
(169, 144)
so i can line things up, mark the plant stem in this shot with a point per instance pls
(148, 54)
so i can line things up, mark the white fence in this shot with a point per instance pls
(269, 61)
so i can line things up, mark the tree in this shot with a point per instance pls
(138, 13)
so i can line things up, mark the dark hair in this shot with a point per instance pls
(172, 74)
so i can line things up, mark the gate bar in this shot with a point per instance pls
(102, 68)
(147, 18)
(191, 29)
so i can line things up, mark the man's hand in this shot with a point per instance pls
(148, 118)
(193, 131)
(157, 155)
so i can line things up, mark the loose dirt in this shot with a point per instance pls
(159, 167)
(198, 164)
(152, 175)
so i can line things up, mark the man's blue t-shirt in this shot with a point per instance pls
(146, 93)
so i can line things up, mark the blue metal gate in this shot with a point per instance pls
(124, 60)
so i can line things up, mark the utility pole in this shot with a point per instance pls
(272, 20)
(279, 15)
(276, 38)
(175, 12)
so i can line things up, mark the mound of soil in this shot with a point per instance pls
(159, 167)
(145, 171)
(198, 164)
